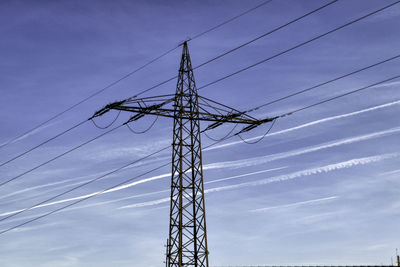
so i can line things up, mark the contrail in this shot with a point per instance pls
(29, 134)
(312, 171)
(295, 204)
(285, 177)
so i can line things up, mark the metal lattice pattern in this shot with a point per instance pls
(187, 244)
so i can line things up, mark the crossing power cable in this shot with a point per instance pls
(59, 156)
(128, 75)
(43, 143)
(267, 33)
(83, 184)
(136, 177)
(230, 20)
(340, 96)
(324, 83)
(80, 200)
(299, 45)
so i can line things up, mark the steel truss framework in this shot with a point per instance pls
(187, 242)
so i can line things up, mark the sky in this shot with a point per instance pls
(321, 188)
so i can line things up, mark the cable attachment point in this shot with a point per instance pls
(222, 120)
(188, 39)
(134, 118)
(247, 128)
(256, 124)
(106, 109)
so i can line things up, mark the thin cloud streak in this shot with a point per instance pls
(312, 171)
(41, 128)
(244, 175)
(296, 204)
(390, 172)
(285, 177)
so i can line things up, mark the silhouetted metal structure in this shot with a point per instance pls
(187, 242)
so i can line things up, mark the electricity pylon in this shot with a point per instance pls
(187, 242)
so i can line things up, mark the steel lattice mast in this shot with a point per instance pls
(187, 242)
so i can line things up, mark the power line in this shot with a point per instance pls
(128, 75)
(339, 96)
(59, 156)
(45, 142)
(267, 33)
(80, 200)
(323, 83)
(230, 20)
(299, 45)
(83, 184)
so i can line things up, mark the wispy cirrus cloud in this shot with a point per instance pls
(285, 177)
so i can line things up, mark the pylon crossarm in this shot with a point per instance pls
(169, 113)
(219, 106)
(154, 106)
(144, 103)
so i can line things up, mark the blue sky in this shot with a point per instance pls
(322, 188)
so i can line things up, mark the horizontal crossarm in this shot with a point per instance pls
(163, 106)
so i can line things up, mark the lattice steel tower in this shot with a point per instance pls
(187, 242)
